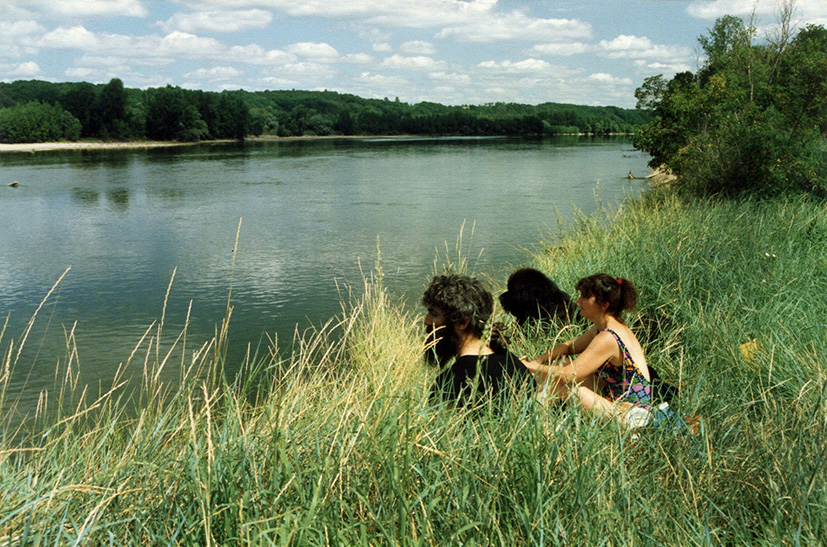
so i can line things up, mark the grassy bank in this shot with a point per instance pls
(336, 445)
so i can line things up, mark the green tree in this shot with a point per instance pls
(801, 93)
(739, 125)
(727, 46)
(37, 122)
(345, 123)
(170, 116)
(111, 110)
(233, 117)
(80, 101)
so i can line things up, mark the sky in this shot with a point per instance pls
(590, 52)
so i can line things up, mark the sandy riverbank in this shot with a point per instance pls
(86, 145)
(33, 147)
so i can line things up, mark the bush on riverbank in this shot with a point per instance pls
(751, 120)
(36, 122)
(336, 445)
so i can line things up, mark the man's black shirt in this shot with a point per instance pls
(474, 378)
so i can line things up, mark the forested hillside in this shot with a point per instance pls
(36, 111)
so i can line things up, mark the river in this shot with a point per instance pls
(309, 216)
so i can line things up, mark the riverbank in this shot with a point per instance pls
(336, 443)
(100, 145)
(33, 147)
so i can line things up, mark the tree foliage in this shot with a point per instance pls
(111, 110)
(170, 113)
(753, 118)
(37, 122)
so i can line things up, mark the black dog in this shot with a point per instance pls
(533, 296)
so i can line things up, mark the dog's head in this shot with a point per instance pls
(531, 294)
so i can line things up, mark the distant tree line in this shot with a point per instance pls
(293, 112)
(752, 120)
(36, 111)
(69, 111)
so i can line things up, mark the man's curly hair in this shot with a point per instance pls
(460, 297)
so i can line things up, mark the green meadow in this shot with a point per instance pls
(329, 440)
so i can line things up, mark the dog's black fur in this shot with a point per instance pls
(531, 296)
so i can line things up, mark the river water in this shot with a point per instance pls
(312, 214)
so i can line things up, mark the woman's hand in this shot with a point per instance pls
(555, 372)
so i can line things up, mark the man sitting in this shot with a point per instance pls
(459, 307)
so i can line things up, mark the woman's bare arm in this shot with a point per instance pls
(568, 348)
(565, 369)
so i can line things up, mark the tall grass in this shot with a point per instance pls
(331, 440)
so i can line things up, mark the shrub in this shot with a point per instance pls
(37, 122)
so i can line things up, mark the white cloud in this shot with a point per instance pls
(517, 26)
(358, 58)
(766, 12)
(16, 38)
(110, 63)
(421, 62)
(461, 20)
(663, 68)
(444, 95)
(18, 29)
(452, 78)
(177, 45)
(25, 70)
(712, 9)
(527, 65)
(102, 74)
(218, 21)
(257, 55)
(608, 79)
(81, 73)
(84, 8)
(276, 82)
(374, 34)
(379, 40)
(634, 47)
(560, 50)
(373, 77)
(214, 73)
(369, 84)
(70, 38)
(417, 47)
(420, 14)
(308, 73)
(311, 50)
(188, 44)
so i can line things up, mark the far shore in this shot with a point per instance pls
(33, 147)
(90, 145)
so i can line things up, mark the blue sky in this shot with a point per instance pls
(592, 52)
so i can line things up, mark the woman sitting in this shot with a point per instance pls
(609, 374)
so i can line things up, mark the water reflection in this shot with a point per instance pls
(118, 198)
(85, 196)
(172, 196)
(104, 159)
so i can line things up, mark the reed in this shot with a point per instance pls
(330, 440)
